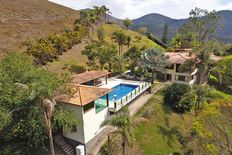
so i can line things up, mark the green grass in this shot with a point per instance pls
(159, 134)
(71, 61)
(143, 42)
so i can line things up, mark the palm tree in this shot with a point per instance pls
(154, 60)
(127, 23)
(120, 38)
(49, 107)
(122, 121)
(88, 18)
(200, 93)
(132, 56)
(105, 11)
(119, 61)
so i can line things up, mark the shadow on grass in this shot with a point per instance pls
(169, 133)
(167, 109)
(76, 69)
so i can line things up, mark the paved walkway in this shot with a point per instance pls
(95, 144)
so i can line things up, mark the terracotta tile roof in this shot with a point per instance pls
(178, 57)
(84, 95)
(88, 76)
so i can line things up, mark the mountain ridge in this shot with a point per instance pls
(155, 23)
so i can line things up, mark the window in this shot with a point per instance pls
(181, 78)
(170, 67)
(87, 107)
(73, 128)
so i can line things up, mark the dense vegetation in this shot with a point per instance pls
(24, 87)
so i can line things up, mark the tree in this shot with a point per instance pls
(174, 96)
(90, 52)
(142, 30)
(42, 50)
(154, 60)
(59, 42)
(223, 71)
(88, 18)
(202, 23)
(122, 122)
(23, 89)
(165, 34)
(118, 62)
(105, 53)
(128, 41)
(101, 34)
(120, 38)
(132, 56)
(212, 130)
(186, 40)
(200, 93)
(127, 23)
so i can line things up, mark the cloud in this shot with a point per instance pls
(137, 8)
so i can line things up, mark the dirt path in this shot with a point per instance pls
(95, 144)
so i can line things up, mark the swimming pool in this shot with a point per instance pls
(120, 91)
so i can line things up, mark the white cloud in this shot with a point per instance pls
(136, 8)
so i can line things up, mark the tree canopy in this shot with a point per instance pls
(23, 88)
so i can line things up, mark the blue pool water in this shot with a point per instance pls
(121, 91)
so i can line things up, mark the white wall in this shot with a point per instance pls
(79, 135)
(92, 122)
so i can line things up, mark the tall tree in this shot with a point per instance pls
(165, 33)
(23, 90)
(120, 38)
(200, 93)
(202, 23)
(154, 60)
(119, 62)
(127, 23)
(101, 34)
(105, 54)
(132, 56)
(122, 122)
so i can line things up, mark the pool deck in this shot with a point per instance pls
(112, 82)
(128, 98)
(95, 144)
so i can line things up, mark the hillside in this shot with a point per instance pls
(26, 19)
(73, 61)
(155, 23)
(135, 36)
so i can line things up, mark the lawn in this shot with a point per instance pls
(159, 135)
(71, 61)
(136, 38)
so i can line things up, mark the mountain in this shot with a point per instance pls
(26, 19)
(155, 24)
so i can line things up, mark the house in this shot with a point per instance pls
(174, 71)
(96, 97)
(178, 74)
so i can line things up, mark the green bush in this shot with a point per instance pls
(173, 95)
(147, 112)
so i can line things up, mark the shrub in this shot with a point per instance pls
(173, 95)
(147, 112)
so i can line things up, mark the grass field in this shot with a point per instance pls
(159, 135)
(143, 42)
(71, 61)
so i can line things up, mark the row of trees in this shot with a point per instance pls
(28, 110)
(47, 49)
(106, 56)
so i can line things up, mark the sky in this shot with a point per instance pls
(136, 8)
